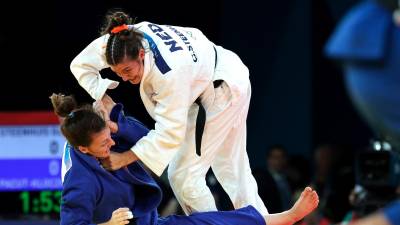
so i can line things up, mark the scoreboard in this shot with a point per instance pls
(31, 147)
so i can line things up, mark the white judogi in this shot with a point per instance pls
(179, 66)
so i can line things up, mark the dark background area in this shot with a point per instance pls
(298, 97)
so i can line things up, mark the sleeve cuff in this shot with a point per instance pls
(115, 112)
(155, 165)
(103, 85)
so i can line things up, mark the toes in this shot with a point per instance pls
(314, 194)
(306, 191)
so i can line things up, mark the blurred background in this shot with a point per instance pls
(302, 126)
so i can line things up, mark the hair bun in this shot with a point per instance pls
(115, 19)
(63, 105)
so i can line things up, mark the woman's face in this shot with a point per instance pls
(100, 145)
(131, 69)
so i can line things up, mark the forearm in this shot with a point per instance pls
(86, 67)
(155, 154)
(129, 157)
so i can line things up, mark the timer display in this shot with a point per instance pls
(40, 202)
(31, 205)
(31, 147)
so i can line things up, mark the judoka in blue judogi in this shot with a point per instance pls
(91, 193)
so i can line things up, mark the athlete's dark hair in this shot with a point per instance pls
(79, 123)
(125, 43)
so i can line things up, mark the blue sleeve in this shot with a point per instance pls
(392, 213)
(129, 128)
(78, 201)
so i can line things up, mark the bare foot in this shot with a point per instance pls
(304, 205)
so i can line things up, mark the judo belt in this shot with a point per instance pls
(201, 115)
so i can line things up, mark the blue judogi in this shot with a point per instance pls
(367, 42)
(91, 193)
(392, 213)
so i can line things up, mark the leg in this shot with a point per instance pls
(186, 174)
(304, 205)
(235, 174)
(225, 139)
(242, 216)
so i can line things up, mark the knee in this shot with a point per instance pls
(175, 179)
(187, 186)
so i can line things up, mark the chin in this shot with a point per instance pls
(134, 82)
(103, 156)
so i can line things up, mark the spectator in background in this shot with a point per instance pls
(333, 178)
(275, 188)
(277, 160)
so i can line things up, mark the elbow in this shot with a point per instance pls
(176, 140)
(73, 66)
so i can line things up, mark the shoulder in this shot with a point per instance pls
(80, 174)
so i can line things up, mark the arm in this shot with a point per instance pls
(160, 145)
(173, 100)
(86, 68)
(128, 128)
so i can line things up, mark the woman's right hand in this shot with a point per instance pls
(108, 103)
(120, 216)
(105, 110)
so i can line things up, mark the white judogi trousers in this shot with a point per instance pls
(223, 149)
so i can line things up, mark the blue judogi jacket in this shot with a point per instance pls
(91, 194)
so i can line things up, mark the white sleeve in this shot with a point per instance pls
(87, 65)
(172, 98)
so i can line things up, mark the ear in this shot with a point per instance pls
(83, 149)
(141, 54)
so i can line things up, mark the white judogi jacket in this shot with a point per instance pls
(178, 67)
